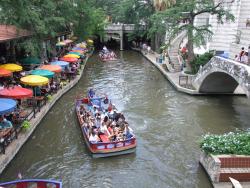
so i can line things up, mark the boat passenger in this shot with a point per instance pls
(91, 93)
(104, 130)
(127, 132)
(120, 136)
(98, 122)
(94, 137)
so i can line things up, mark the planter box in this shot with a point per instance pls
(221, 167)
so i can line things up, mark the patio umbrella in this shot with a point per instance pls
(30, 61)
(5, 73)
(75, 53)
(34, 80)
(72, 55)
(60, 44)
(52, 68)
(63, 64)
(69, 59)
(12, 67)
(79, 51)
(78, 48)
(90, 42)
(7, 105)
(67, 41)
(42, 72)
(16, 92)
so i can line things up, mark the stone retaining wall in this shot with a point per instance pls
(23, 136)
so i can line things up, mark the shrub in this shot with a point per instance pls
(26, 125)
(49, 98)
(231, 143)
(200, 60)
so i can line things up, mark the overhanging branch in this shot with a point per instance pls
(212, 9)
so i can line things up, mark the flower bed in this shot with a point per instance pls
(231, 143)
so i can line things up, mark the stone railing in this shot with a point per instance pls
(240, 72)
(124, 27)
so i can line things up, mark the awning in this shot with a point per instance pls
(63, 64)
(52, 68)
(16, 92)
(69, 59)
(7, 105)
(12, 67)
(42, 72)
(72, 55)
(30, 61)
(5, 73)
(34, 80)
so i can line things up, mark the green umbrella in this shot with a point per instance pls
(42, 72)
(30, 61)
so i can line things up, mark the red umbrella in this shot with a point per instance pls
(69, 59)
(5, 73)
(16, 92)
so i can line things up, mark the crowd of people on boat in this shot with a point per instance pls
(103, 122)
(106, 54)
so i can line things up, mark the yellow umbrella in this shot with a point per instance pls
(12, 67)
(90, 41)
(72, 55)
(34, 80)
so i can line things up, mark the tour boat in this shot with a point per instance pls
(38, 183)
(105, 147)
(108, 56)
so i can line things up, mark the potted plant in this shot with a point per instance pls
(25, 125)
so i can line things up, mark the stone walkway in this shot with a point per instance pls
(173, 77)
(23, 136)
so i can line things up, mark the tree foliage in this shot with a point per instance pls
(188, 10)
(45, 18)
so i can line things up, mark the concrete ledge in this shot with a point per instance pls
(23, 136)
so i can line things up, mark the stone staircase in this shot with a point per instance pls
(173, 52)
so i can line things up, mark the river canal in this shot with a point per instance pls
(168, 125)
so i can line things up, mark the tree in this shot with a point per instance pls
(161, 5)
(45, 18)
(188, 10)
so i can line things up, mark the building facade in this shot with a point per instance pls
(229, 36)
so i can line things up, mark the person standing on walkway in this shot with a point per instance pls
(248, 55)
(242, 52)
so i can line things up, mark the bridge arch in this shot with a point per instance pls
(218, 82)
(221, 76)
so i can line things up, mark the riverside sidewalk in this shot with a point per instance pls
(23, 136)
(173, 77)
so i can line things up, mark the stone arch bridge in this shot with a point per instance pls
(222, 76)
(120, 30)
